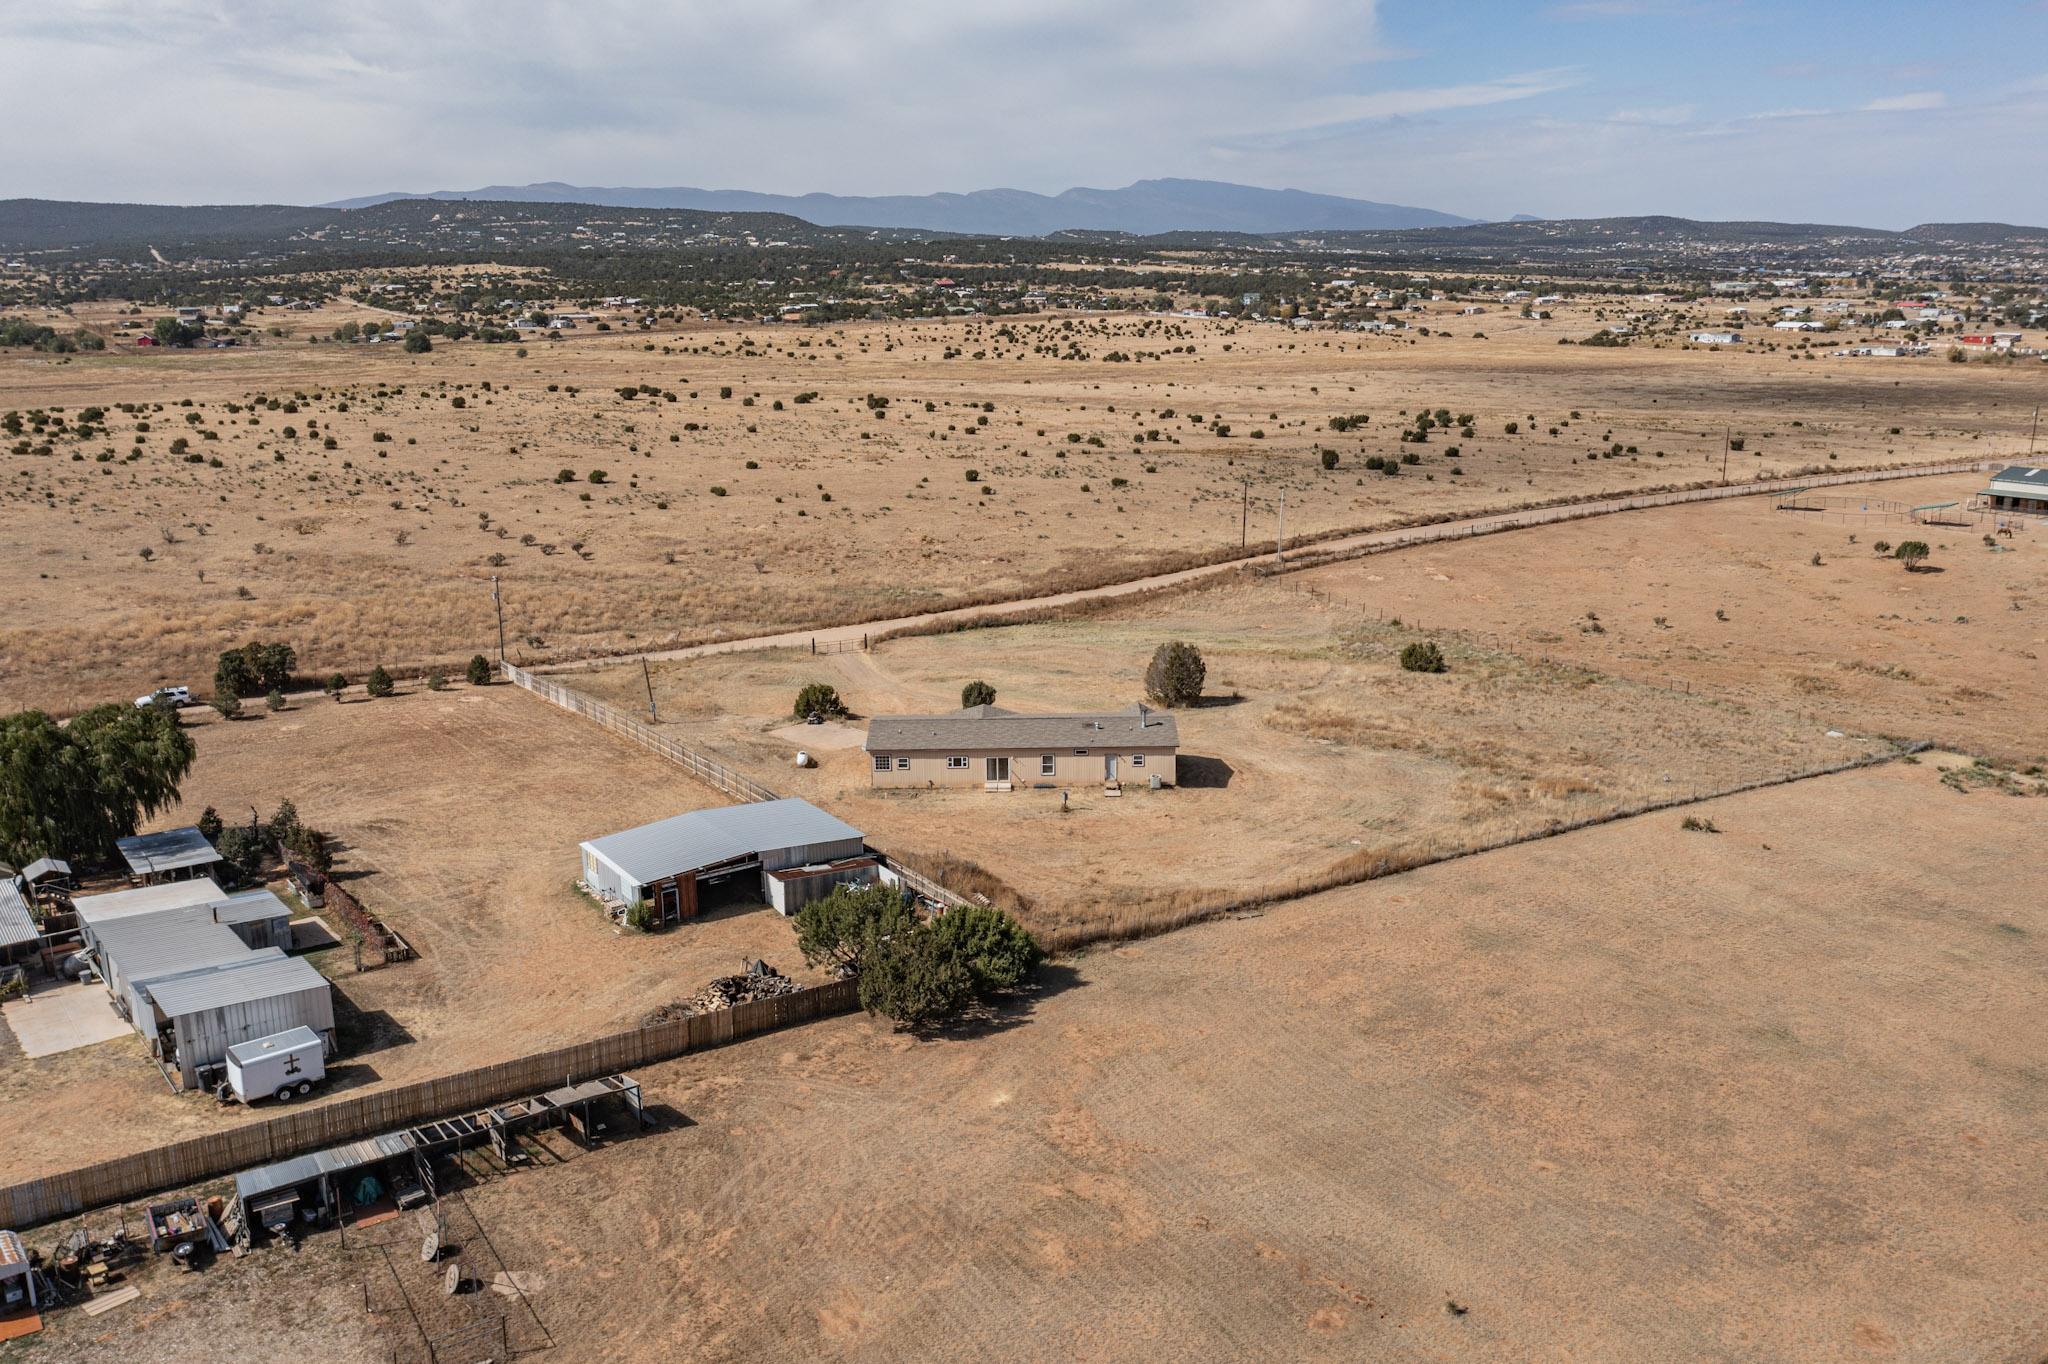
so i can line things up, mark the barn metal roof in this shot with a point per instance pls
(286, 1174)
(17, 925)
(2028, 479)
(148, 947)
(260, 977)
(167, 850)
(980, 727)
(45, 866)
(703, 837)
(123, 904)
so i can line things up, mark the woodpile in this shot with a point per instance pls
(724, 993)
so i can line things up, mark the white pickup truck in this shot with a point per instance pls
(171, 696)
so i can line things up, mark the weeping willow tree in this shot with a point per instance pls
(71, 790)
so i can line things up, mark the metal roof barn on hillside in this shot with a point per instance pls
(703, 838)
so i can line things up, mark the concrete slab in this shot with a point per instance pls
(64, 1018)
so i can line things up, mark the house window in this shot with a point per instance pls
(1080, 752)
(903, 764)
(881, 762)
(1047, 765)
(1137, 760)
(956, 762)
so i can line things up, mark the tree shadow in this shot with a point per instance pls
(1012, 1011)
(1218, 702)
(1193, 770)
(364, 1032)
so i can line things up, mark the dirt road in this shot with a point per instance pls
(837, 638)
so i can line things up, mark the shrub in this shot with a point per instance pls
(1694, 824)
(841, 929)
(1175, 675)
(379, 683)
(998, 954)
(416, 343)
(436, 682)
(242, 851)
(1423, 656)
(273, 700)
(915, 979)
(228, 704)
(598, 475)
(1329, 459)
(209, 824)
(479, 671)
(335, 685)
(977, 694)
(640, 915)
(1910, 553)
(818, 698)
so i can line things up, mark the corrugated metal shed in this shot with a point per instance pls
(261, 977)
(17, 925)
(704, 837)
(150, 947)
(289, 1174)
(94, 910)
(45, 866)
(167, 850)
(981, 727)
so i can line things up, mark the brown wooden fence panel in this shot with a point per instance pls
(310, 1129)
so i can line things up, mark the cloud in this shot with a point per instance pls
(1670, 116)
(1918, 99)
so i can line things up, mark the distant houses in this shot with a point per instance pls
(1717, 338)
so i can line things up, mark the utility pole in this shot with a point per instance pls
(2035, 432)
(1244, 518)
(499, 602)
(647, 676)
(1280, 550)
(1724, 456)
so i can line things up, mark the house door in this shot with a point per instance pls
(998, 769)
(1109, 767)
(671, 904)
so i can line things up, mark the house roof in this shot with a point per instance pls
(46, 866)
(126, 904)
(146, 947)
(703, 837)
(978, 727)
(2026, 479)
(17, 925)
(167, 850)
(260, 977)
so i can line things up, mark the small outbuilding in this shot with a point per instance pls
(170, 855)
(47, 872)
(2019, 488)
(19, 936)
(675, 865)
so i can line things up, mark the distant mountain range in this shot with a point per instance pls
(1142, 209)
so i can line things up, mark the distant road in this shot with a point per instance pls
(840, 637)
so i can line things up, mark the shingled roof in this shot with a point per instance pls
(980, 727)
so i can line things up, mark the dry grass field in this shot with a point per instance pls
(355, 500)
(1632, 1094)
(1589, 672)
(457, 815)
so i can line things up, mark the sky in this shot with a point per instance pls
(1880, 113)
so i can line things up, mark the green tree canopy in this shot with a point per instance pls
(915, 978)
(977, 694)
(818, 698)
(994, 948)
(1175, 675)
(71, 791)
(843, 928)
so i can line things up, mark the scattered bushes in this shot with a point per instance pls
(379, 682)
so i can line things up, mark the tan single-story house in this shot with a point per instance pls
(1000, 750)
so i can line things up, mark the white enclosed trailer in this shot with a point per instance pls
(283, 1064)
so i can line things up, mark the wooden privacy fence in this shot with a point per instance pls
(297, 1131)
(708, 770)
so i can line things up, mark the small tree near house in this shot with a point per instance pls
(1175, 675)
(818, 698)
(379, 682)
(479, 673)
(977, 694)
